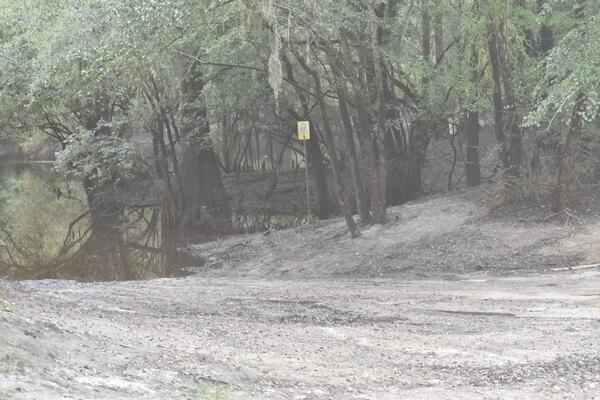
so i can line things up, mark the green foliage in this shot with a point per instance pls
(101, 160)
(570, 68)
(94, 74)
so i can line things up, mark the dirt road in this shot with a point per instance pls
(326, 318)
(533, 336)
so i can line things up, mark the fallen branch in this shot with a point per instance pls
(579, 267)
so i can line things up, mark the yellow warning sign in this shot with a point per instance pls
(303, 130)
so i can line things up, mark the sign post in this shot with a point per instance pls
(304, 136)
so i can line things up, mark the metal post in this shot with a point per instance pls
(307, 182)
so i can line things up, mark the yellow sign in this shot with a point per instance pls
(303, 130)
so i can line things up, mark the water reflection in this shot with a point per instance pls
(49, 231)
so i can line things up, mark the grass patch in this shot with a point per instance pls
(210, 392)
(4, 305)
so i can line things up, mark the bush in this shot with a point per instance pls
(101, 160)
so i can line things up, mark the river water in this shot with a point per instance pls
(48, 232)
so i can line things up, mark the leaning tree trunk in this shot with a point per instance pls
(315, 155)
(336, 166)
(359, 190)
(566, 173)
(378, 205)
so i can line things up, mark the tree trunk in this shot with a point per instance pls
(337, 169)
(205, 205)
(205, 202)
(497, 99)
(361, 197)
(514, 132)
(379, 196)
(333, 156)
(472, 168)
(546, 42)
(566, 173)
(438, 33)
(364, 125)
(360, 194)
(425, 30)
(315, 155)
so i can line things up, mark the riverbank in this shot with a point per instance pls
(444, 302)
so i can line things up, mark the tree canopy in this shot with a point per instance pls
(379, 80)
